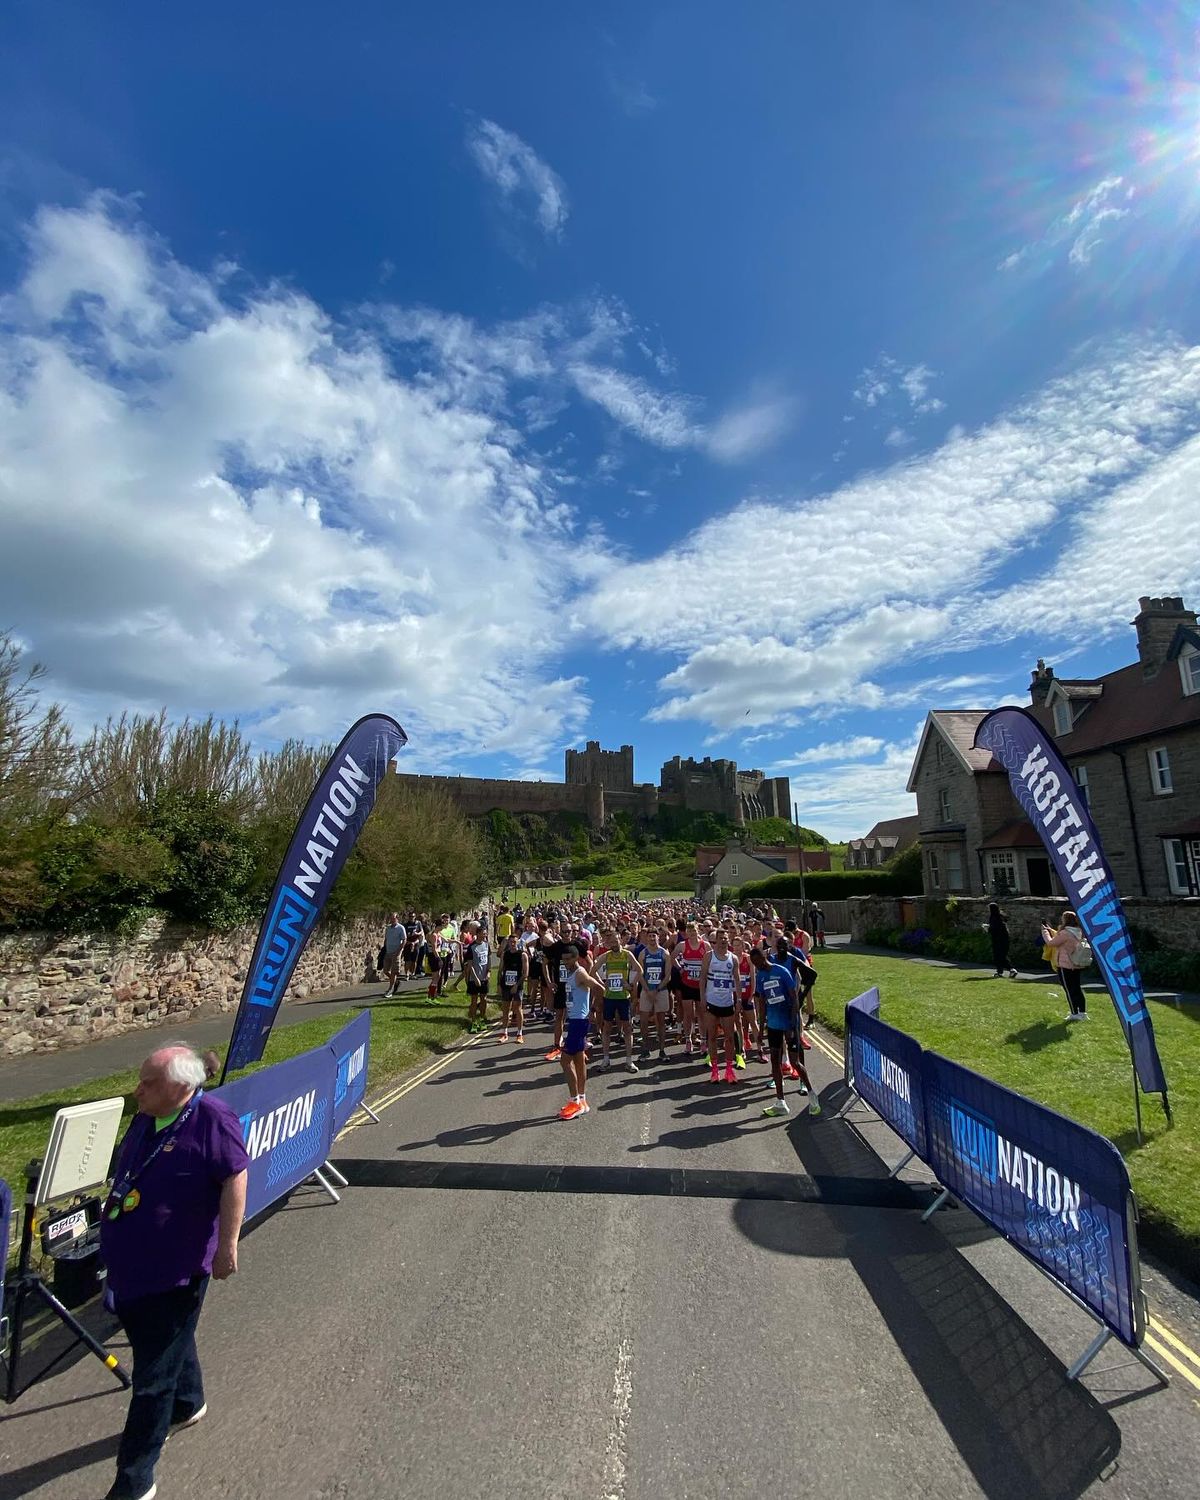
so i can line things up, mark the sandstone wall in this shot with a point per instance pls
(56, 991)
(1175, 923)
(479, 795)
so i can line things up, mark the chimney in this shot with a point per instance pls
(1156, 624)
(1039, 684)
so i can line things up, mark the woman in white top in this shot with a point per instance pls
(1064, 942)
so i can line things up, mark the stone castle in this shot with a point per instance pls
(600, 782)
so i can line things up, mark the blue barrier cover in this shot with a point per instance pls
(286, 1112)
(5, 1218)
(1054, 1189)
(884, 1068)
(328, 827)
(350, 1047)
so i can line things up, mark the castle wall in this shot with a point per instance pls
(611, 769)
(479, 795)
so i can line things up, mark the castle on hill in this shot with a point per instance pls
(600, 782)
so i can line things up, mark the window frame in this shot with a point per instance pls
(935, 871)
(955, 882)
(1065, 705)
(1175, 864)
(1080, 773)
(1189, 671)
(1160, 774)
(945, 812)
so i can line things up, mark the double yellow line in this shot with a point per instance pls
(1167, 1345)
(385, 1101)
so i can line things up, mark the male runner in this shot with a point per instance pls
(689, 960)
(579, 987)
(514, 971)
(653, 997)
(553, 986)
(777, 988)
(618, 968)
(748, 1020)
(718, 985)
(475, 965)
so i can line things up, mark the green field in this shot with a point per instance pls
(1016, 1034)
(402, 1031)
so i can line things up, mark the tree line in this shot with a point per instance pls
(142, 816)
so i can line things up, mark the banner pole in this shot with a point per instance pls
(1137, 1100)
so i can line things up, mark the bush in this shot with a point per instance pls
(832, 885)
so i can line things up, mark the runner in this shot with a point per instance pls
(689, 960)
(718, 975)
(447, 942)
(615, 967)
(554, 993)
(774, 983)
(476, 960)
(654, 999)
(579, 988)
(749, 1023)
(504, 924)
(514, 971)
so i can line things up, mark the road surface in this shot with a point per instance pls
(670, 1296)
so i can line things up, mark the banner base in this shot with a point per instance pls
(1095, 1347)
(322, 1181)
(935, 1205)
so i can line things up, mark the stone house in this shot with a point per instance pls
(890, 837)
(732, 864)
(1132, 740)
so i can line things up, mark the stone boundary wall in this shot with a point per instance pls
(1176, 924)
(58, 991)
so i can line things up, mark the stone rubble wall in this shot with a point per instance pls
(1176, 924)
(58, 991)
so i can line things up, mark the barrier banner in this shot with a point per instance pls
(286, 1112)
(1053, 803)
(884, 1068)
(1055, 1190)
(326, 833)
(5, 1231)
(350, 1047)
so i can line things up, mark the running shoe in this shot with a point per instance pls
(604, 1065)
(776, 1108)
(519, 1038)
(570, 1109)
(554, 1054)
(503, 1037)
(662, 1054)
(584, 1107)
(730, 1075)
(715, 1076)
(790, 1072)
(814, 1108)
(739, 1060)
(631, 1066)
(805, 1043)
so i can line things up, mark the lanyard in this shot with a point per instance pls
(121, 1190)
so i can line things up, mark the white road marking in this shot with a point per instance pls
(614, 1447)
(644, 1134)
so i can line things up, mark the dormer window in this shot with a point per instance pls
(1063, 719)
(1189, 670)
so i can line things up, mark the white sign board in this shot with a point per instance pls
(80, 1150)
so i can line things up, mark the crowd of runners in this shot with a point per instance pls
(723, 988)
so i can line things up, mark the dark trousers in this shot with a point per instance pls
(1073, 985)
(166, 1379)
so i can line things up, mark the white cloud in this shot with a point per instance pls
(888, 384)
(898, 438)
(747, 430)
(660, 417)
(1098, 468)
(844, 801)
(519, 174)
(1081, 229)
(241, 506)
(858, 747)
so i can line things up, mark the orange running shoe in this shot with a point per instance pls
(554, 1054)
(570, 1109)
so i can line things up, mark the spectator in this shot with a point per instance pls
(394, 938)
(171, 1220)
(997, 930)
(1062, 945)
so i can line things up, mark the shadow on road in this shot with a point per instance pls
(1024, 1430)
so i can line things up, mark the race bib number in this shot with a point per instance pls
(616, 984)
(563, 972)
(691, 967)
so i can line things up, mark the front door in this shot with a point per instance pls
(1037, 871)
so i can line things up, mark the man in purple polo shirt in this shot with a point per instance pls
(171, 1220)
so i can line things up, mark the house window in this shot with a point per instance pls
(954, 870)
(1081, 781)
(733, 869)
(1002, 863)
(935, 873)
(939, 753)
(1189, 670)
(944, 806)
(1178, 873)
(1062, 716)
(1160, 772)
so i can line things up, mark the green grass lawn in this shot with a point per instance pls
(402, 1031)
(1016, 1034)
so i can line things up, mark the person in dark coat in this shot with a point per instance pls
(997, 926)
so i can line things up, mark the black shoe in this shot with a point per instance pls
(662, 1055)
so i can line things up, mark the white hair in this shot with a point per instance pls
(184, 1066)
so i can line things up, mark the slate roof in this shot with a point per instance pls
(1127, 706)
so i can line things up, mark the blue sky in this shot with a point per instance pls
(725, 380)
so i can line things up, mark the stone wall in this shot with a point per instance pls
(1176, 924)
(56, 991)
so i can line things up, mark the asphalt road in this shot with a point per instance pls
(670, 1296)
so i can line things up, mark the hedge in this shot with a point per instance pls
(833, 885)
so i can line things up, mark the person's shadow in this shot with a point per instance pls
(1039, 1034)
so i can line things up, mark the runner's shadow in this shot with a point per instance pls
(1039, 1034)
(24, 1481)
(478, 1135)
(1000, 1393)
